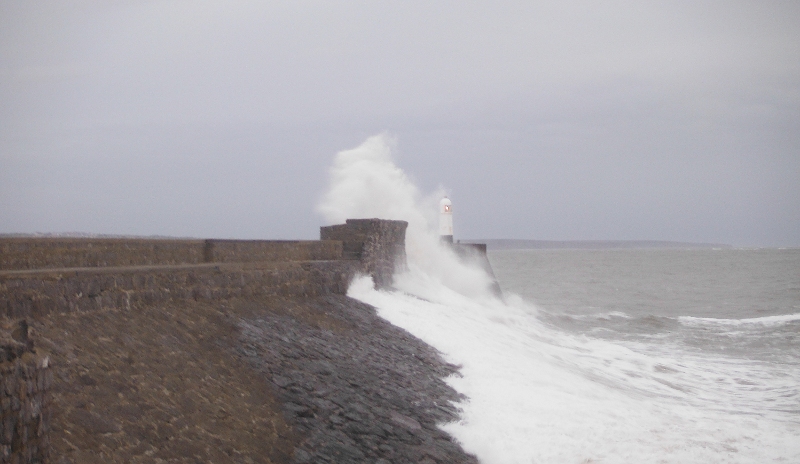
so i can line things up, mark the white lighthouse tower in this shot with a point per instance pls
(446, 220)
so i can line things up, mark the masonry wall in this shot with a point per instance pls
(50, 253)
(42, 275)
(378, 244)
(37, 293)
(25, 380)
(239, 251)
(40, 253)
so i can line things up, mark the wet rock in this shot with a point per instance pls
(405, 421)
(359, 388)
(94, 423)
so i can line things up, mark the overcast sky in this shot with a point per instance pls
(543, 120)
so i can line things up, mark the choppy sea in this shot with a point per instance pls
(617, 356)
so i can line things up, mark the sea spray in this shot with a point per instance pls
(365, 183)
(539, 394)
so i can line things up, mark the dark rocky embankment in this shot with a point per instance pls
(355, 387)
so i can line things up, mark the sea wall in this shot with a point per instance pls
(39, 292)
(25, 380)
(19, 253)
(174, 348)
(378, 244)
(39, 275)
(249, 251)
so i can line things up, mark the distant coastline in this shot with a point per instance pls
(518, 244)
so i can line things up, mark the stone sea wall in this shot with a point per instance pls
(18, 253)
(36, 293)
(25, 380)
(41, 275)
(135, 326)
(378, 244)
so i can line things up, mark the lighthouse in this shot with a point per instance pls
(446, 220)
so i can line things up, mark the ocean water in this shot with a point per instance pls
(676, 356)
(593, 356)
(742, 303)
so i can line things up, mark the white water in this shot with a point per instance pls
(538, 394)
(766, 320)
(365, 183)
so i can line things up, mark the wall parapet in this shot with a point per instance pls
(18, 253)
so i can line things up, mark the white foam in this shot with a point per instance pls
(766, 320)
(539, 395)
(605, 315)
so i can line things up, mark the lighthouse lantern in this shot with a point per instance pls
(446, 220)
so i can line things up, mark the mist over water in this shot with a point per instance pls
(616, 367)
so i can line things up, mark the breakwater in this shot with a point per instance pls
(222, 351)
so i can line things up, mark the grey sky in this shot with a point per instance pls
(549, 120)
